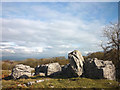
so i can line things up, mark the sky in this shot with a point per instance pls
(51, 29)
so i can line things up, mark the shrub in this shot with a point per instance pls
(7, 65)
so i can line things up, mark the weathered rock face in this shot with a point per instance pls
(98, 69)
(49, 69)
(76, 62)
(109, 70)
(53, 69)
(21, 71)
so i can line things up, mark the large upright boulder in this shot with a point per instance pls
(99, 69)
(76, 62)
(21, 71)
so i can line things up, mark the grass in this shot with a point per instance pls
(6, 72)
(61, 83)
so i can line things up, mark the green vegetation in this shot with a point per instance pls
(60, 83)
(98, 55)
(35, 62)
(8, 65)
(6, 72)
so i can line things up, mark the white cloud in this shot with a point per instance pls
(9, 47)
(52, 30)
(87, 52)
(8, 50)
(62, 52)
(28, 34)
(64, 46)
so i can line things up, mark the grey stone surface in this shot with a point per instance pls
(42, 74)
(33, 82)
(76, 62)
(50, 69)
(30, 83)
(37, 81)
(21, 71)
(109, 70)
(53, 69)
(32, 69)
(99, 69)
(32, 74)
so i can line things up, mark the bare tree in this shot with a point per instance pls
(105, 49)
(112, 33)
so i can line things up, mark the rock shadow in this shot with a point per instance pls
(91, 71)
(8, 78)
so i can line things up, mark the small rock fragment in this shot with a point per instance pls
(19, 85)
(24, 85)
(37, 81)
(30, 83)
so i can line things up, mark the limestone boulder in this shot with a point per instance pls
(21, 71)
(53, 69)
(50, 69)
(109, 70)
(99, 69)
(76, 62)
